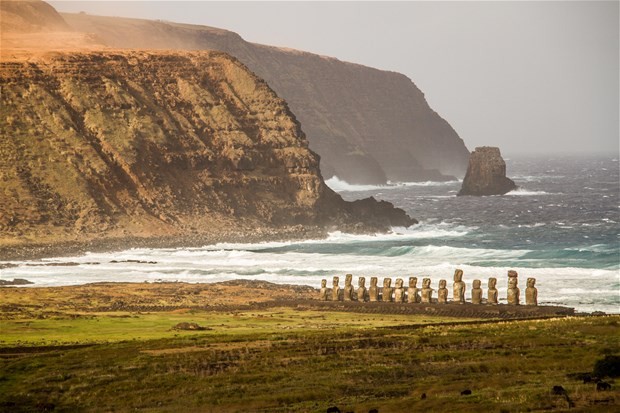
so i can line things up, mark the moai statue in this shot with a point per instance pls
(387, 289)
(427, 291)
(442, 293)
(476, 292)
(399, 291)
(459, 287)
(361, 289)
(492, 297)
(373, 291)
(336, 289)
(412, 291)
(348, 287)
(323, 292)
(513, 290)
(531, 293)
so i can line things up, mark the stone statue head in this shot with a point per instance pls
(413, 281)
(458, 275)
(442, 283)
(531, 282)
(426, 283)
(512, 274)
(373, 281)
(348, 279)
(387, 282)
(399, 283)
(362, 281)
(492, 283)
(512, 282)
(477, 283)
(336, 280)
(323, 283)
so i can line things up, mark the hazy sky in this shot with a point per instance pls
(524, 76)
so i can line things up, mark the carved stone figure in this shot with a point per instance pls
(323, 291)
(531, 293)
(442, 293)
(492, 297)
(361, 289)
(336, 289)
(373, 291)
(427, 291)
(513, 290)
(459, 287)
(476, 292)
(399, 291)
(348, 287)
(412, 291)
(387, 289)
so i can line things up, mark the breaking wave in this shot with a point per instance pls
(340, 185)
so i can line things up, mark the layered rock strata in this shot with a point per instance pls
(486, 174)
(101, 144)
(367, 125)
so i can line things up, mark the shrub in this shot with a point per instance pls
(607, 367)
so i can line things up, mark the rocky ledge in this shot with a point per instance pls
(486, 174)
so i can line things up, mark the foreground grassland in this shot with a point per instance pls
(287, 359)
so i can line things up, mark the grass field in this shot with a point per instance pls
(286, 360)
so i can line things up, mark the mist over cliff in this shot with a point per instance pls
(367, 125)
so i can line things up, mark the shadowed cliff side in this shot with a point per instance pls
(367, 125)
(111, 144)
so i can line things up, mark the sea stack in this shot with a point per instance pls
(486, 174)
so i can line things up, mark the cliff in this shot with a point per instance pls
(367, 125)
(29, 25)
(30, 16)
(486, 174)
(118, 143)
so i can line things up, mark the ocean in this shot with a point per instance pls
(562, 227)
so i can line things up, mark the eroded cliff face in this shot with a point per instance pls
(156, 143)
(367, 125)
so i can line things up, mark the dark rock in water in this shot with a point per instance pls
(16, 281)
(486, 174)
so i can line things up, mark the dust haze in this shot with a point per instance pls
(529, 77)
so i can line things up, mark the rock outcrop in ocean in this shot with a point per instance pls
(368, 125)
(107, 144)
(486, 174)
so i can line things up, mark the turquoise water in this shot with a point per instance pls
(562, 226)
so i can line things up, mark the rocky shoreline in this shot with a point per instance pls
(33, 251)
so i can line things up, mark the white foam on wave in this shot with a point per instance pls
(340, 185)
(525, 192)
(340, 253)
(584, 289)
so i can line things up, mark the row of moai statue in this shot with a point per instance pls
(425, 294)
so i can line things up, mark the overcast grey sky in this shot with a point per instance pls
(524, 76)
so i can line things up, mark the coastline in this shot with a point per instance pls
(238, 295)
(34, 251)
